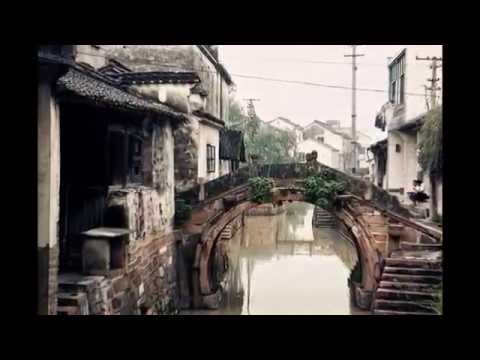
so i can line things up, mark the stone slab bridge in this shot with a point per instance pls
(374, 220)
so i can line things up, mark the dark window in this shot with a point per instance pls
(135, 159)
(361, 150)
(210, 158)
(398, 148)
(397, 80)
(125, 160)
(117, 162)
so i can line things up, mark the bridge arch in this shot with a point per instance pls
(361, 197)
(369, 256)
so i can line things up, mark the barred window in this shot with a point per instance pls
(210, 158)
(397, 80)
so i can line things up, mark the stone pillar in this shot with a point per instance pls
(48, 191)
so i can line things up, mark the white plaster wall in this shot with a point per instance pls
(48, 167)
(175, 95)
(333, 140)
(395, 168)
(208, 135)
(440, 196)
(325, 155)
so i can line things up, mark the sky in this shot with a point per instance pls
(301, 103)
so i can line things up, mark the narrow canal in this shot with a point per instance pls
(281, 265)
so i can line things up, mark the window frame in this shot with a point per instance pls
(396, 87)
(128, 157)
(210, 158)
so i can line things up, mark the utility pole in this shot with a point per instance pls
(250, 111)
(250, 107)
(434, 80)
(354, 56)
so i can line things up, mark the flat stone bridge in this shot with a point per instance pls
(375, 220)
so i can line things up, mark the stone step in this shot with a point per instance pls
(408, 286)
(415, 246)
(411, 271)
(393, 312)
(406, 295)
(404, 306)
(413, 263)
(429, 279)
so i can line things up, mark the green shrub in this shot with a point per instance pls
(322, 189)
(261, 189)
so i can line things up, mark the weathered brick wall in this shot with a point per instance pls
(53, 260)
(186, 155)
(47, 280)
(150, 279)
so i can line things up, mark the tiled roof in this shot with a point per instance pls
(94, 87)
(205, 115)
(414, 123)
(114, 67)
(288, 121)
(328, 127)
(158, 77)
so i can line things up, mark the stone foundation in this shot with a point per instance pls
(148, 284)
(48, 261)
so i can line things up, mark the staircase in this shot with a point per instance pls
(410, 282)
(322, 218)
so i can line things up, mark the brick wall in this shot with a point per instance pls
(47, 280)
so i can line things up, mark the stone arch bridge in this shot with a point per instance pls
(374, 219)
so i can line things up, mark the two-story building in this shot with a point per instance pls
(105, 188)
(289, 126)
(191, 78)
(326, 132)
(396, 157)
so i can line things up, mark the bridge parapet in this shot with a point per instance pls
(354, 185)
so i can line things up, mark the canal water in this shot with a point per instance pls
(281, 265)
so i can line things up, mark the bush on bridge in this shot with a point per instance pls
(261, 189)
(322, 189)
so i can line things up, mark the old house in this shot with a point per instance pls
(288, 125)
(106, 189)
(325, 132)
(396, 158)
(192, 78)
(327, 154)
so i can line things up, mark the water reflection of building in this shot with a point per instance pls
(264, 239)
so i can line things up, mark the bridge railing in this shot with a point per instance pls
(354, 185)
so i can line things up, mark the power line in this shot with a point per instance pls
(286, 81)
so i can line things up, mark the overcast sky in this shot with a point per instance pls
(301, 103)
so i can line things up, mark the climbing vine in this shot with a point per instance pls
(261, 189)
(322, 189)
(430, 147)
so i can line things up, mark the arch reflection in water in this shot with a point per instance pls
(280, 265)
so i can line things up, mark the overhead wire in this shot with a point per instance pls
(286, 81)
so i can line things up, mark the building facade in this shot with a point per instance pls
(396, 157)
(105, 190)
(326, 154)
(204, 94)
